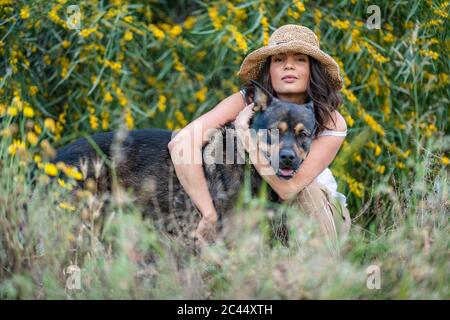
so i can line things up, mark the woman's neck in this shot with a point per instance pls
(298, 98)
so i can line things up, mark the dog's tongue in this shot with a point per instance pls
(286, 172)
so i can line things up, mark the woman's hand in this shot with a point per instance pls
(243, 118)
(241, 124)
(206, 230)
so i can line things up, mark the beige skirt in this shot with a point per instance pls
(332, 215)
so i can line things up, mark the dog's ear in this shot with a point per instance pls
(262, 97)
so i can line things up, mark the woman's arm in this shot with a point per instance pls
(323, 151)
(191, 176)
(186, 154)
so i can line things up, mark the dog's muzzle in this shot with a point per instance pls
(289, 163)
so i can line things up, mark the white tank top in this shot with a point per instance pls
(326, 176)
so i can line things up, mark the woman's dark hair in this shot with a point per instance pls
(319, 90)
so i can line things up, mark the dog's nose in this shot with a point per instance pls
(287, 156)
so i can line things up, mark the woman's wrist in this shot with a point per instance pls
(210, 215)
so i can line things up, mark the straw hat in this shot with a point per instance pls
(290, 37)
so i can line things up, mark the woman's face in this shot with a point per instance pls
(295, 65)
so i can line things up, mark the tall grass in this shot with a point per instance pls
(122, 256)
(164, 64)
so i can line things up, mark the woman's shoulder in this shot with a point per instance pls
(337, 122)
(337, 126)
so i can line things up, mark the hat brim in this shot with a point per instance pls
(252, 64)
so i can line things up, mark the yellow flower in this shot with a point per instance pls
(69, 171)
(47, 59)
(12, 111)
(434, 22)
(373, 52)
(86, 32)
(215, 18)
(151, 80)
(191, 107)
(50, 169)
(128, 36)
(64, 66)
(239, 38)
(377, 150)
(108, 97)
(445, 160)
(25, 12)
(349, 120)
(73, 173)
(355, 187)
(33, 90)
(162, 103)
(300, 6)
(400, 165)
(37, 128)
(169, 124)
(179, 66)
(49, 123)
(317, 16)
(17, 102)
(355, 33)
(61, 182)
(28, 112)
(128, 19)
(201, 94)
(16, 146)
(32, 138)
(65, 44)
(179, 116)
(2, 109)
(123, 101)
(429, 53)
(67, 206)
(53, 14)
(373, 124)
(354, 47)
(105, 117)
(265, 27)
(189, 22)
(115, 66)
(175, 31)
(293, 14)
(349, 94)
(93, 121)
(129, 119)
(37, 158)
(341, 24)
(201, 54)
(158, 33)
(440, 12)
(380, 169)
(389, 37)
(357, 157)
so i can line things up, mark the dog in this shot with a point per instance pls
(139, 161)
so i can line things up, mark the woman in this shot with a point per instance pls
(292, 68)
